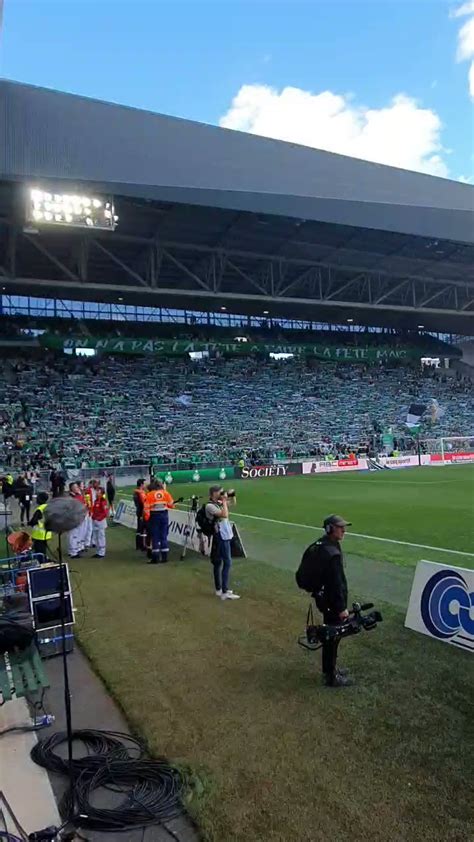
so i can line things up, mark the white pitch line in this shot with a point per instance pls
(353, 534)
(356, 535)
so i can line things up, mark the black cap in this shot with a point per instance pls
(335, 520)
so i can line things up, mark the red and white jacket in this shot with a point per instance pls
(100, 509)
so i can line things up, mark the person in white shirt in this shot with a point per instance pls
(221, 557)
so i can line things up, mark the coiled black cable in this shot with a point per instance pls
(101, 746)
(152, 788)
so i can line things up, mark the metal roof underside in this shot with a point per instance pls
(210, 217)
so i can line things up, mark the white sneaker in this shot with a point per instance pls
(218, 593)
(230, 595)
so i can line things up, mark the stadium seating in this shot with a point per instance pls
(118, 411)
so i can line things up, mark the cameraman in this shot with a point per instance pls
(326, 561)
(217, 512)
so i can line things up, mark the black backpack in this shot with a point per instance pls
(309, 574)
(204, 524)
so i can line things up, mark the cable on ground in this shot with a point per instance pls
(152, 789)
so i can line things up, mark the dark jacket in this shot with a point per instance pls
(330, 585)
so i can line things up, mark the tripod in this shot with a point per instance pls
(190, 523)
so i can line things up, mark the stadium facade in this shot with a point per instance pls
(214, 219)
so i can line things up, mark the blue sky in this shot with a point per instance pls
(278, 58)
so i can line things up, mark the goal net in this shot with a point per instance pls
(449, 450)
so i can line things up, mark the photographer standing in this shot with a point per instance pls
(322, 573)
(217, 512)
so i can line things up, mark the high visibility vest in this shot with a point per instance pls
(157, 501)
(39, 533)
(9, 479)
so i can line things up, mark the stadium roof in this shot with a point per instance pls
(211, 217)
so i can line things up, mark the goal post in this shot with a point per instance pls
(447, 450)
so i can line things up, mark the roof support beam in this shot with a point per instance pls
(46, 253)
(120, 263)
(184, 268)
(342, 288)
(246, 277)
(434, 295)
(390, 291)
(203, 297)
(306, 274)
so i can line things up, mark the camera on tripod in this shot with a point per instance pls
(317, 635)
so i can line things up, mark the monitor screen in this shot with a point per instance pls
(47, 580)
(47, 612)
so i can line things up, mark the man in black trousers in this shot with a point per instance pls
(326, 561)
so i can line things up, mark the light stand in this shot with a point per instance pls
(67, 691)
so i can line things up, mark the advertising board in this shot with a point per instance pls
(182, 529)
(441, 604)
(264, 471)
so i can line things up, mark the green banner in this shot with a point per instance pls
(198, 475)
(170, 347)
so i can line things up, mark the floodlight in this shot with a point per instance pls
(71, 209)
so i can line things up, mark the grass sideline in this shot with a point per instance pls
(224, 688)
(429, 506)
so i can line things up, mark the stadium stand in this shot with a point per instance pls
(101, 411)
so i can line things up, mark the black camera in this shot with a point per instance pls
(317, 635)
(230, 493)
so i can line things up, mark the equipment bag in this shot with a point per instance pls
(308, 575)
(204, 524)
(16, 631)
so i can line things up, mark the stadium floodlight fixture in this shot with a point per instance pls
(265, 312)
(223, 308)
(70, 209)
(350, 321)
(420, 327)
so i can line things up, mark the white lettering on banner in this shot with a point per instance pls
(264, 471)
(182, 528)
(332, 466)
(452, 457)
(442, 604)
(180, 531)
(400, 461)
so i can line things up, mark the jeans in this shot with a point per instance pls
(221, 559)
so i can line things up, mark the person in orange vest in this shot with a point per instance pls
(155, 514)
(99, 514)
(139, 502)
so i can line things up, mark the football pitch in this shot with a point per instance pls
(223, 688)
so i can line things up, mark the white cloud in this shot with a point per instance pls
(465, 51)
(471, 79)
(401, 133)
(466, 179)
(465, 9)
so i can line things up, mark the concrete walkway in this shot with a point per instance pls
(92, 707)
(25, 785)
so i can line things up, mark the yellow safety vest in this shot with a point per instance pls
(9, 479)
(39, 532)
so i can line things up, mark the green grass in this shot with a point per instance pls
(224, 688)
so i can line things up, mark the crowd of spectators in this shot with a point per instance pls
(110, 411)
